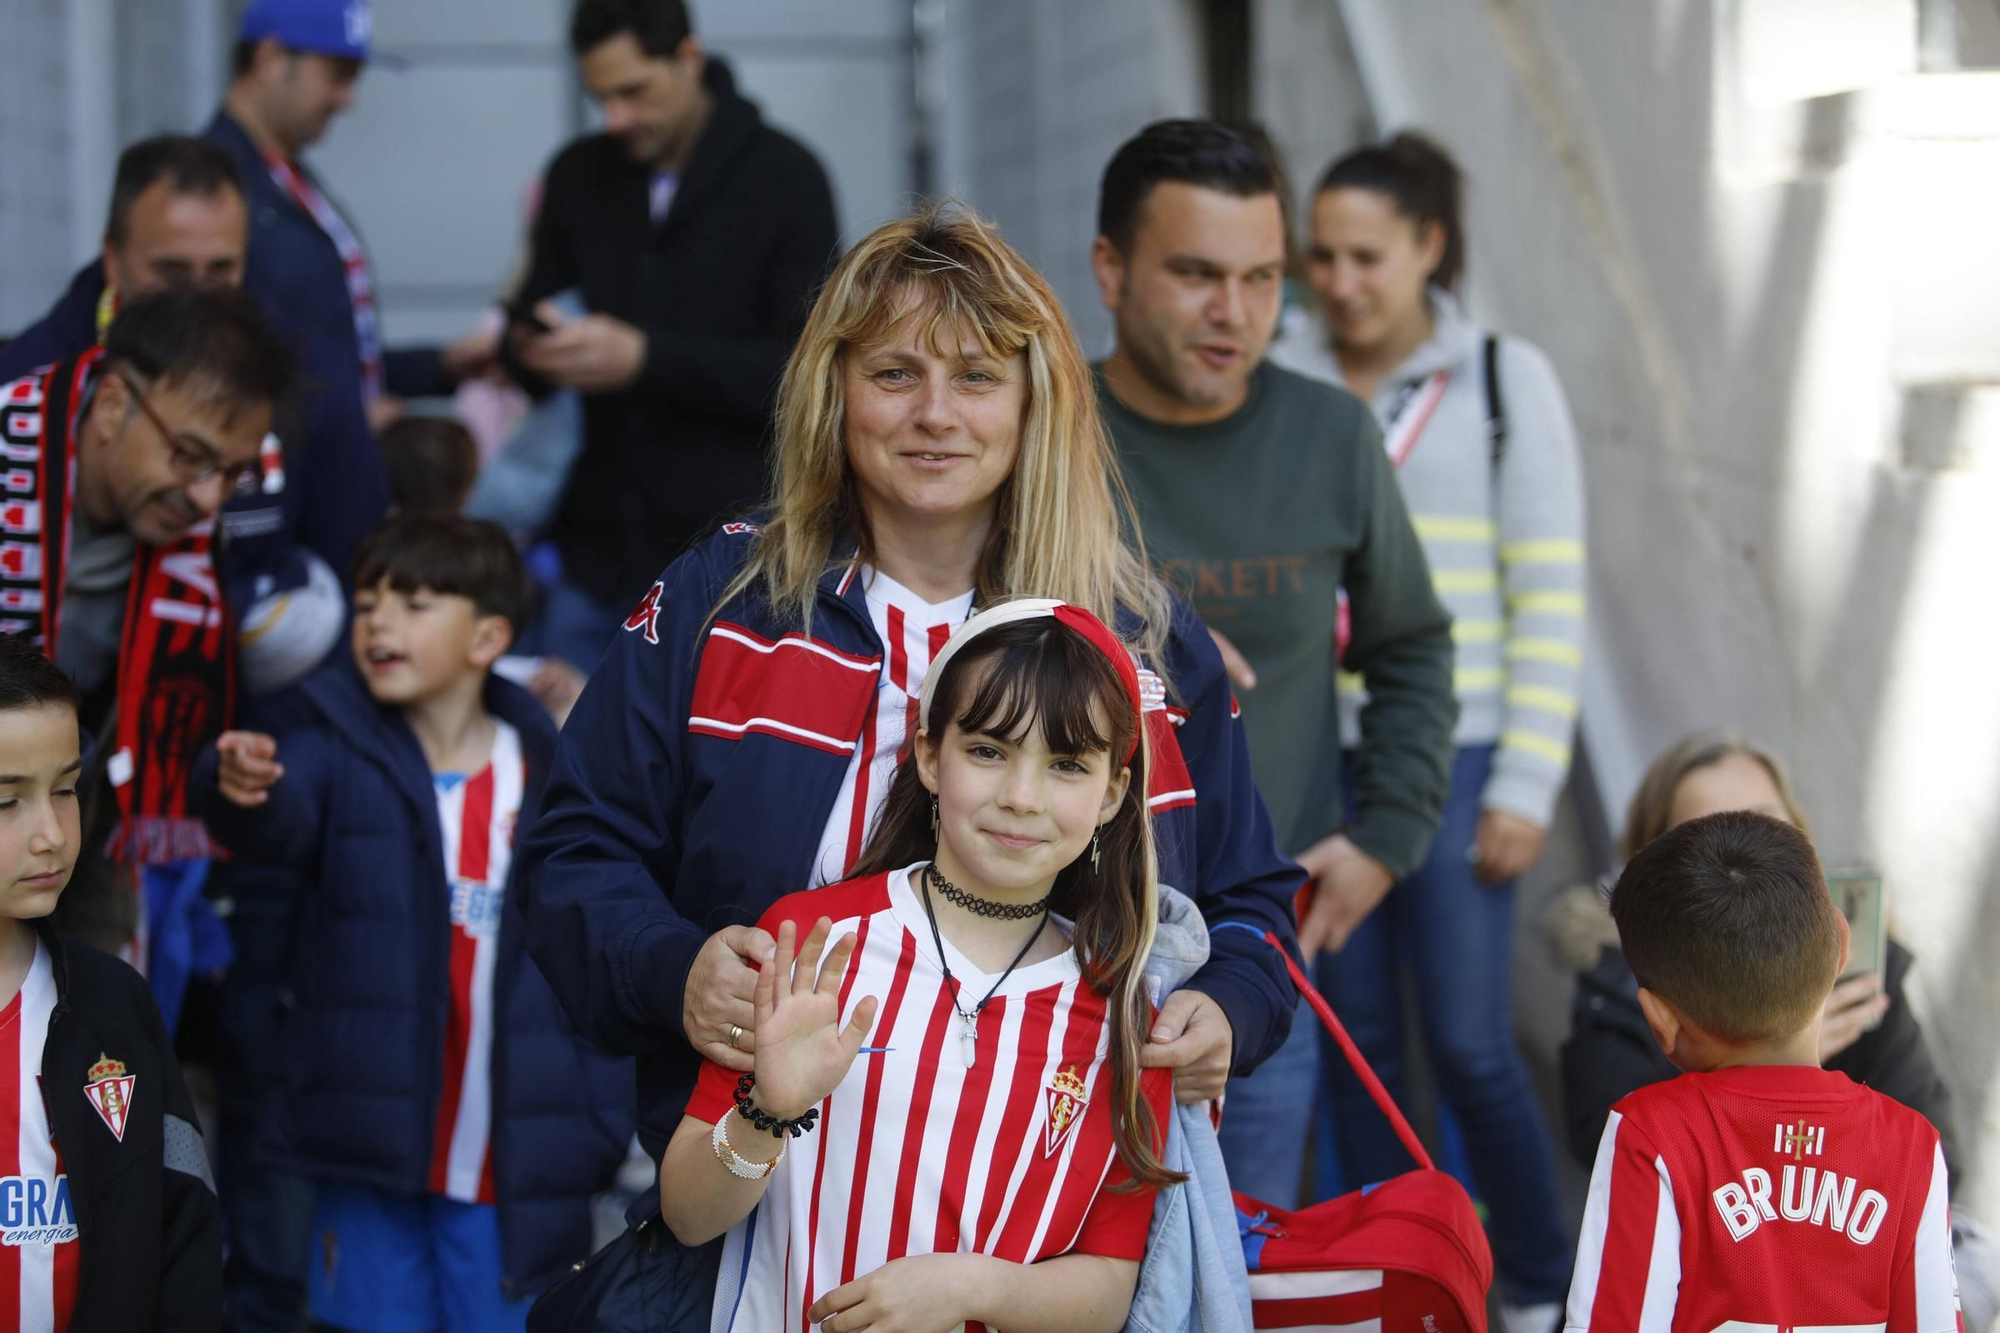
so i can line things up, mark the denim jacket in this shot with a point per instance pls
(1192, 1279)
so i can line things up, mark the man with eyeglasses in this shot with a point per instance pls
(155, 431)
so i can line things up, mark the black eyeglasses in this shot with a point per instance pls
(193, 461)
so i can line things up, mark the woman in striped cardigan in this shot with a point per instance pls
(1481, 437)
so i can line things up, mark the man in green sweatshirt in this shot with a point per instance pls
(1266, 497)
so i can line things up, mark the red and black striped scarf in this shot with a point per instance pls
(176, 673)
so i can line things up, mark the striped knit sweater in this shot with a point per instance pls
(1505, 545)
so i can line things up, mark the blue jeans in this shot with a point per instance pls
(267, 1215)
(1267, 1117)
(1455, 934)
(399, 1263)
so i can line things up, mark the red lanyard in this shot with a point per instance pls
(1412, 412)
(360, 284)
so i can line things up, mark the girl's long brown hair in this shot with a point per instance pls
(1047, 676)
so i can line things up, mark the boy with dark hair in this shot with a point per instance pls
(456, 1125)
(1756, 1189)
(108, 1217)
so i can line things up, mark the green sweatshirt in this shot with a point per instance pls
(1262, 519)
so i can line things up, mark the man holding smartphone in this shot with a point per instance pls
(694, 234)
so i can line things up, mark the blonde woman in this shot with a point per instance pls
(938, 448)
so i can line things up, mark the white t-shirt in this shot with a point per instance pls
(913, 632)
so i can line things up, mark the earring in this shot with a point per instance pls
(934, 816)
(1093, 853)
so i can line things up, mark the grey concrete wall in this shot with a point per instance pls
(1038, 94)
(86, 77)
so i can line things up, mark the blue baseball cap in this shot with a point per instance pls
(322, 27)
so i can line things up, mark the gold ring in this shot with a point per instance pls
(736, 1036)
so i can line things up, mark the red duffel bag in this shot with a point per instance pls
(1406, 1254)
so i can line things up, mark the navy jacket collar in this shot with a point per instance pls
(732, 123)
(342, 698)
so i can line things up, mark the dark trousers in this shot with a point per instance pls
(266, 1215)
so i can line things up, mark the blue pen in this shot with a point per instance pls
(876, 1050)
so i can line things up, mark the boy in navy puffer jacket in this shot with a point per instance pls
(430, 1083)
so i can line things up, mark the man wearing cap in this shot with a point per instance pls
(296, 66)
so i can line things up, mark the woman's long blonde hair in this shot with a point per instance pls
(1063, 515)
(1652, 810)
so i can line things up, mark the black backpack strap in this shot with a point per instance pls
(1496, 409)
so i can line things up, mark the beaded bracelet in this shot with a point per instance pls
(764, 1119)
(740, 1166)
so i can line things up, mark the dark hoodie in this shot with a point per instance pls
(721, 286)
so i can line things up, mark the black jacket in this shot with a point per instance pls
(1610, 1052)
(148, 1224)
(721, 286)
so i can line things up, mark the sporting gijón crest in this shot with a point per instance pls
(109, 1088)
(1066, 1103)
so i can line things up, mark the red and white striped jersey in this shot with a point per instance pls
(39, 1249)
(913, 632)
(915, 1153)
(1765, 1198)
(476, 815)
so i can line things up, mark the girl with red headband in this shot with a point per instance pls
(947, 1121)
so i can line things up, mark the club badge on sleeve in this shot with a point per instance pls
(109, 1088)
(1066, 1103)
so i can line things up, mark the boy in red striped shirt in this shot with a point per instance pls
(455, 1124)
(1756, 1191)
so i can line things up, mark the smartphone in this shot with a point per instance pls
(520, 312)
(1857, 892)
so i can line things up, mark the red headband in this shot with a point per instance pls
(1032, 608)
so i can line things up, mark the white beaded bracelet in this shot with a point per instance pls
(739, 1166)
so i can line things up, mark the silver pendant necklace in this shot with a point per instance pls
(968, 1029)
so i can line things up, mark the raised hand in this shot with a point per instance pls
(249, 767)
(802, 1051)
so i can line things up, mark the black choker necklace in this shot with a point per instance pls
(978, 906)
(968, 1033)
